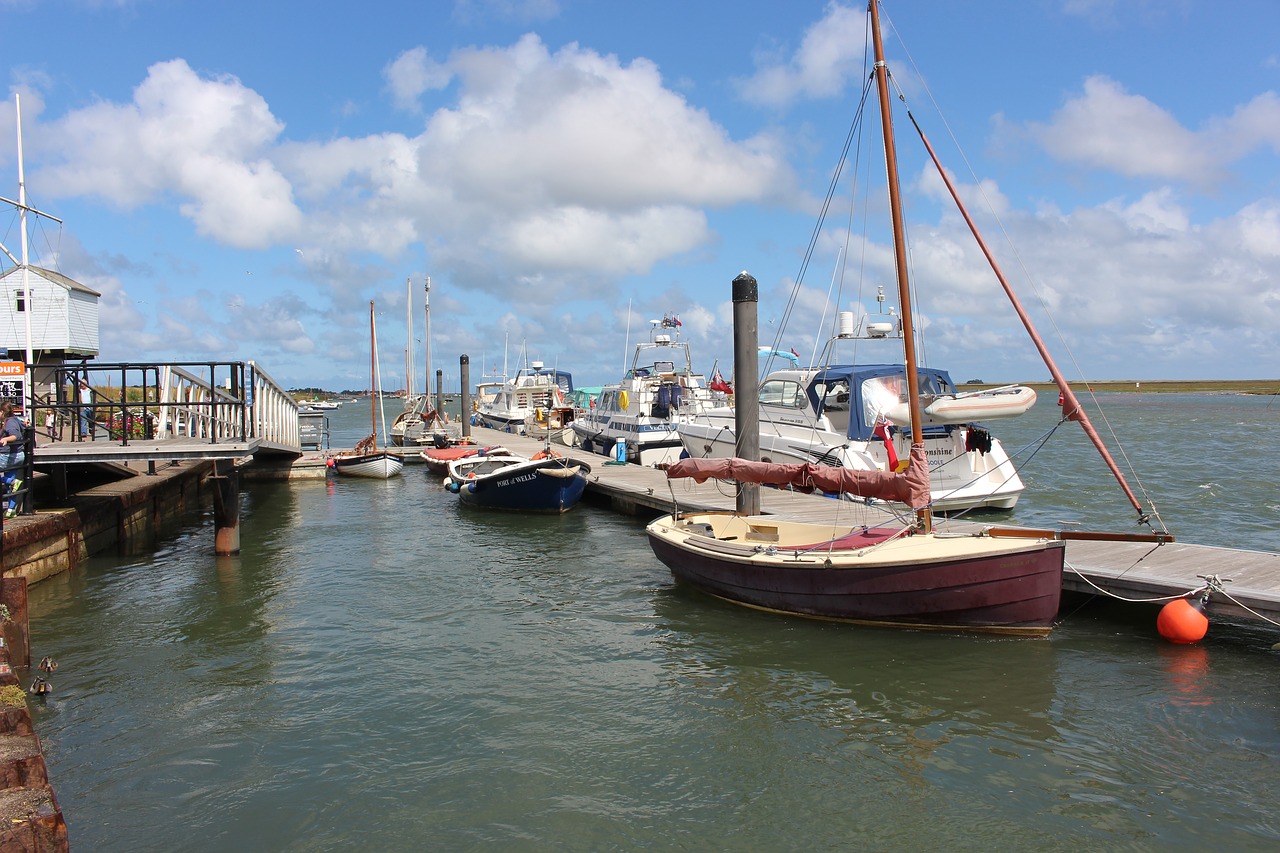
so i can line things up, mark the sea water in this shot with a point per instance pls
(383, 669)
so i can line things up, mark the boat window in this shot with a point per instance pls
(782, 392)
(881, 394)
(834, 396)
(664, 367)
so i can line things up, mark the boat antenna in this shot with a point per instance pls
(923, 516)
(626, 346)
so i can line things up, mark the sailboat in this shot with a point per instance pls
(1002, 580)
(366, 460)
(419, 418)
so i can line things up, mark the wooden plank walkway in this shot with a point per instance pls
(139, 450)
(1128, 570)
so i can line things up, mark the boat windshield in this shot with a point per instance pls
(783, 392)
(880, 394)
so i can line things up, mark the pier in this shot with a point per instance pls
(1249, 580)
(219, 415)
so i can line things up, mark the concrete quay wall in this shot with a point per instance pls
(128, 514)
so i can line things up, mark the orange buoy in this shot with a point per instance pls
(1182, 621)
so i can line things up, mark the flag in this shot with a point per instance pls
(881, 431)
(718, 383)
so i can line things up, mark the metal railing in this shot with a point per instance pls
(204, 401)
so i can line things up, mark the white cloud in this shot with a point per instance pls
(207, 142)
(411, 74)
(828, 56)
(1106, 127)
(569, 165)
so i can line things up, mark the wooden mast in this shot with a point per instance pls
(373, 381)
(923, 516)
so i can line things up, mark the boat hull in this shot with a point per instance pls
(373, 466)
(544, 486)
(917, 581)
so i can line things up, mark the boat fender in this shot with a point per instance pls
(1183, 622)
(537, 414)
(623, 400)
(471, 488)
(451, 487)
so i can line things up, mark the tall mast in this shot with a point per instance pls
(426, 311)
(26, 268)
(373, 377)
(923, 516)
(408, 344)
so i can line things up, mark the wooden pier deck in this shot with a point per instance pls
(1135, 571)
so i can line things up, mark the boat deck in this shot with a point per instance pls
(1136, 571)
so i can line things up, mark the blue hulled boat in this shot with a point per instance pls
(547, 482)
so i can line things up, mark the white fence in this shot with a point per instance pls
(212, 402)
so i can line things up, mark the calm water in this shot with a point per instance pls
(383, 670)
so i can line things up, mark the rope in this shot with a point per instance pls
(1118, 597)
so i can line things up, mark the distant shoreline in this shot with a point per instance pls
(1155, 386)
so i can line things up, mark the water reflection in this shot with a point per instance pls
(916, 696)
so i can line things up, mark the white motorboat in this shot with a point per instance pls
(855, 416)
(532, 388)
(658, 392)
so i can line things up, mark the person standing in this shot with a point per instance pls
(86, 411)
(13, 453)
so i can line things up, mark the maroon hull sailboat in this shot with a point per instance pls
(998, 579)
(1015, 591)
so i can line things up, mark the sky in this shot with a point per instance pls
(239, 184)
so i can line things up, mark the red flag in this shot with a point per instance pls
(718, 383)
(881, 431)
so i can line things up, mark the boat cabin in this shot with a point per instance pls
(853, 397)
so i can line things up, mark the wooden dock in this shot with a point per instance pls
(1249, 580)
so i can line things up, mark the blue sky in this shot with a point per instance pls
(239, 183)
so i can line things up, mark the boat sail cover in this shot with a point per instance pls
(910, 487)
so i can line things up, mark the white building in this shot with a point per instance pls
(63, 312)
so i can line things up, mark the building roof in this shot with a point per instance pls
(51, 277)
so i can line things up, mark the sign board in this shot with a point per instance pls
(13, 381)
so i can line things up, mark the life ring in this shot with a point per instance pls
(545, 454)
(623, 400)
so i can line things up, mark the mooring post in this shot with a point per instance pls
(226, 508)
(746, 389)
(465, 372)
(439, 390)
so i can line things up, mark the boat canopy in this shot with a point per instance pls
(870, 391)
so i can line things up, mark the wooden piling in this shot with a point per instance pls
(226, 509)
